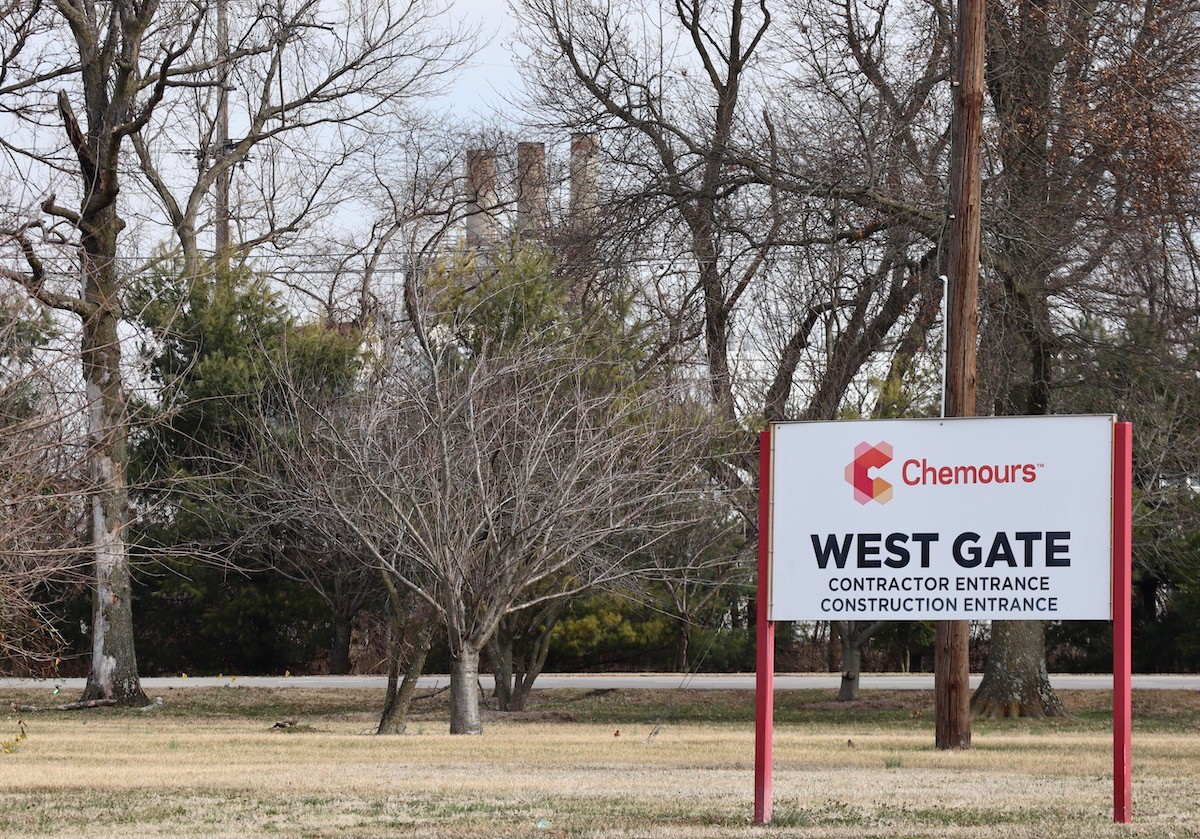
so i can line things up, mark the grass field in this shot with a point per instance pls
(585, 764)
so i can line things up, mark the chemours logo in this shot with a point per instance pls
(923, 472)
(866, 458)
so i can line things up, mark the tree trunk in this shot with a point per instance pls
(1033, 236)
(113, 673)
(683, 641)
(852, 637)
(399, 697)
(109, 86)
(1015, 682)
(851, 664)
(832, 659)
(518, 651)
(522, 685)
(339, 654)
(500, 651)
(464, 692)
(533, 658)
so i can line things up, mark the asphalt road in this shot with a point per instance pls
(660, 681)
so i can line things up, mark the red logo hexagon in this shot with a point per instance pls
(867, 457)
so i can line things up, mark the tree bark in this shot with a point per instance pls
(1015, 681)
(1022, 61)
(518, 650)
(683, 643)
(851, 668)
(113, 674)
(464, 692)
(533, 658)
(399, 696)
(339, 654)
(522, 685)
(500, 651)
(852, 637)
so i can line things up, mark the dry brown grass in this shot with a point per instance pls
(227, 773)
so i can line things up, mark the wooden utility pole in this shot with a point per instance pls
(952, 691)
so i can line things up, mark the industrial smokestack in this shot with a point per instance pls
(532, 191)
(483, 226)
(585, 179)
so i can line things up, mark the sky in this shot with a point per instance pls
(480, 91)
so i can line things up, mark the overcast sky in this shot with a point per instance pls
(482, 87)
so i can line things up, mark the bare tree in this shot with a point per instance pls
(1093, 109)
(474, 480)
(287, 96)
(113, 62)
(137, 71)
(788, 236)
(832, 196)
(682, 575)
(590, 69)
(410, 192)
(1075, 181)
(685, 574)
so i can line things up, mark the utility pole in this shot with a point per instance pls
(952, 693)
(221, 134)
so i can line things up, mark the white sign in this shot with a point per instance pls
(942, 519)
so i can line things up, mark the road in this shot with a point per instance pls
(658, 681)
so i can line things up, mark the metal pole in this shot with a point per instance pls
(764, 676)
(1122, 609)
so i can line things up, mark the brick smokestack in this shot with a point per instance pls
(483, 226)
(585, 179)
(532, 192)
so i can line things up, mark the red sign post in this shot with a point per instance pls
(1122, 635)
(764, 688)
